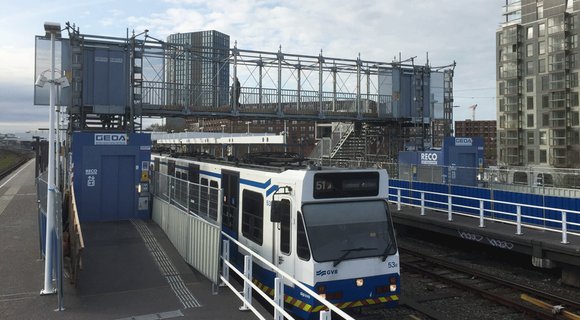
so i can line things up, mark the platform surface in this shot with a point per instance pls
(121, 277)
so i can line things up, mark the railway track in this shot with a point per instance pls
(520, 298)
(10, 163)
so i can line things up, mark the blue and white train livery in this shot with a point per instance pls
(329, 228)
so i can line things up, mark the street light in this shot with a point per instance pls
(53, 30)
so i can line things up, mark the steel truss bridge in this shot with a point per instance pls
(116, 82)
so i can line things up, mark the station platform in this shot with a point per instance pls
(130, 270)
(545, 248)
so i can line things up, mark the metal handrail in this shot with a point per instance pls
(564, 231)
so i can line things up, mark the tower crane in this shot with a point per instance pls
(473, 107)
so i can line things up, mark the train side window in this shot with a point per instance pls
(253, 216)
(301, 240)
(203, 196)
(213, 199)
(285, 226)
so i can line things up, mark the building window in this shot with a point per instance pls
(574, 118)
(530, 50)
(541, 29)
(531, 139)
(541, 65)
(530, 68)
(530, 34)
(546, 120)
(543, 156)
(545, 101)
(545, 83)
(502, 88)
(253, 216)
(543, 138)
(574, 79)
(530, 120)
(542, 47)
(530, 103)
(529, 85)
(531, 156)
(540, 11)
(574, 99)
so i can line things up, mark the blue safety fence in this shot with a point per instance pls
(536, 209)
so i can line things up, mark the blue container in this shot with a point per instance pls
(111, 175)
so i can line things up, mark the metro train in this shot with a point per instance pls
(329, 228)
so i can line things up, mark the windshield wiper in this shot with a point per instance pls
(386, 252)
(347, 252)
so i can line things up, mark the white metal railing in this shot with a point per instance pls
(480, 208)
(278, 300)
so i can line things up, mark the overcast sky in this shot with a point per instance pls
(450, 30)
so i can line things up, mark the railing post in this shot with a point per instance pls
(449, 207)
(519, 220)
(278, 298)
(422, 203)
(325, 315)
(564, 228)
(398, 199)
(247, 286)
(481, 214)
(226, 257)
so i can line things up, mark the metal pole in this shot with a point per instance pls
(278, 298)
(519, 220)
(320, 79)
(358, 65)
(299, 85)
(449, 208)
(398, 199)
(247, 286)
(422, 203)
(280, 57)
(334, 70)
(235, 93)
(50, 214)
(564, 229)
(226, 257)
(260, 69)
(481, 214)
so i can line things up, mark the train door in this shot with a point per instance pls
(193, 189)
(283, 255)
(231, 189)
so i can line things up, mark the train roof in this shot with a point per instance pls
(265, 161)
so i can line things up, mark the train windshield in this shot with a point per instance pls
(349, 230)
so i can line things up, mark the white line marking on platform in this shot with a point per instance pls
(17, 172)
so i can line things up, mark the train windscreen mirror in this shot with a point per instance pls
(276, 212)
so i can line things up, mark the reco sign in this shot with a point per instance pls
(110, 139)
(429, 158)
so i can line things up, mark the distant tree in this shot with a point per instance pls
(157, 127)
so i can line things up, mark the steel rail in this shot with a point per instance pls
(511, 303)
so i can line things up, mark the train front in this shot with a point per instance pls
(355, 261)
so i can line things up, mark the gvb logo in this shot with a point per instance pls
(322, 273)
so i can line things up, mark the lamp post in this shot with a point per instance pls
(51, 29)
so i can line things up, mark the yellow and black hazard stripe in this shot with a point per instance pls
(308, 308)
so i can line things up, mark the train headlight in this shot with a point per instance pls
(393, 285)
(360, 282)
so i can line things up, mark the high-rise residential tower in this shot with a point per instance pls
(538, 61)
(198, 69)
